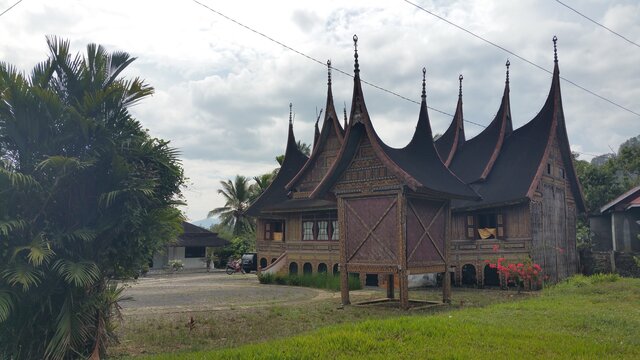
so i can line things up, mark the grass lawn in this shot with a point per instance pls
(597, 317)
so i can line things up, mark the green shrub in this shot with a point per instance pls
(319, 281)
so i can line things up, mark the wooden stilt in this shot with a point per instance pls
(390, 287)
(344, 285)
(446, 287)
(404, 289)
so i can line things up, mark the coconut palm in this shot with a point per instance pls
(237, 195)
(261, 184)
(86, 196)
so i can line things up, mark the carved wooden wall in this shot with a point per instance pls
(426, 232)
(371, 230)
(326, 157)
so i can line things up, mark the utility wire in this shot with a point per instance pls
(597, 23)
(519, 57)
(322, 63)
(10, 7)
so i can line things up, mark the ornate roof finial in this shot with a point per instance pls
(424, 77)
(329, 71)
(555, 49)
(290, 113)
(355, 55)
(460, 91)
(508, 64)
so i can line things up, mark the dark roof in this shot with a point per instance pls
(452, 139)
(629, 199)
(523, 156)
(477, 156)
(276, 193)
(417, 165)
(196, 236)
(301, 205)
(330, 128)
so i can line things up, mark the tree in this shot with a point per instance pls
(86, 196)
(237, 195)
(302, 146)
(261, 184)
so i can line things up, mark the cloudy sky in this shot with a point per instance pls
(223, 92)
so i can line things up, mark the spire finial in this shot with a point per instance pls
(508, 64)
(555, 49)
(290, 113)
(460, 91)
(424, 82)
(329, 71)
(355, 55)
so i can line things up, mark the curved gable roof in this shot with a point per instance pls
(524, 154)
(330, 128)
(417, 166)
(276, 193)
(477, 156)
(452, 140)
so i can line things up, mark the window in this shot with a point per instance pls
(323, 230)
(485, 226)
(274, 230)
(335, 234)
(307, 230)
(548, 169)
(320, 226)
(191, 252)
(562, 173)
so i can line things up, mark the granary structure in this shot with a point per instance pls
(357, 205)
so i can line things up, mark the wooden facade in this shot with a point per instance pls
(357, 205)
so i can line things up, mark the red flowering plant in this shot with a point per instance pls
(524, 274)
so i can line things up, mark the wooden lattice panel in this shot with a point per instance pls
(426, 232)
(371, 234)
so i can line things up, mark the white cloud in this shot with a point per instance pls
(222, 91)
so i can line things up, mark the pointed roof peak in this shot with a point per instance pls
(329, 72)
(290, 114)
(460, 91)
(424, 77)
(345, 115)
(555, 49)
(356, 66)
(507, 64)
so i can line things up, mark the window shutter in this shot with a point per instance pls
(500, 225)
(470, 227)
(267, 230)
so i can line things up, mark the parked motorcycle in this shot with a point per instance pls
(234, 267)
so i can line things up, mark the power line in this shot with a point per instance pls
(322, 63)
(10, 7)
(520, 57)
(597, 23)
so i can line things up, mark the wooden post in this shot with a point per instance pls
(344, 273)
(390, 285)
(403, 278)
(403, 274)
(446, 281)
(344, 284)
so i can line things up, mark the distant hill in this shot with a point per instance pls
(206, 223)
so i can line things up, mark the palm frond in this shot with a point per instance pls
(6, 305)
(38, 252)
(79, 274)
(25, 275)
(11, 225)
(19, 180)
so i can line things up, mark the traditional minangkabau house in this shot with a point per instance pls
(360, 205)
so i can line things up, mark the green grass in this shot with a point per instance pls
(318, 281)
(587, 317)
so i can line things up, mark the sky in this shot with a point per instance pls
(222, 92)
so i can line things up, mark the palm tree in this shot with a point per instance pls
(261, 184)
(86, 196)
(237, 196)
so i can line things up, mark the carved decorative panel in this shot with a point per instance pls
(371, 234)
(426, 232)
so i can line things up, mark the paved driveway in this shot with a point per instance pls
(180, 292)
